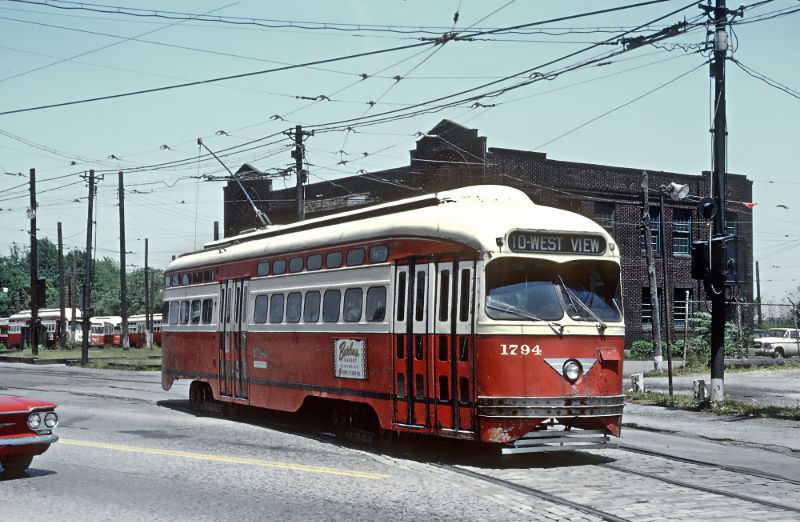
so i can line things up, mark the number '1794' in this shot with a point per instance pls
(519, 349)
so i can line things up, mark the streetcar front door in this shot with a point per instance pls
(411, 340)
(233, 339)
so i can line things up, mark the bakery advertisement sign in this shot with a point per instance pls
(350, 358)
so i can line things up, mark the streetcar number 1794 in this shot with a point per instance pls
(519, 349)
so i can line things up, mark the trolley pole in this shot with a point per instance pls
(122, 265)
(34, 261)
(62, 341)
(87, 276)
(72, 299)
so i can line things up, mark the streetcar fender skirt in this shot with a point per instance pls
(167, 379)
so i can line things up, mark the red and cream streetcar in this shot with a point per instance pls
(471, 313)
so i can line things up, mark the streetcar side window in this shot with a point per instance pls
(263, 268)
(294, 302)
(184, 312)
(276, 308)
(197, 277)
(314, 262)
(444, 295)
(353, 302)
(175, 280)
(311, 307)
(295, 264)
(401, 296)
(167, 280)
(279, 267)
(185, 279)
(355, 256)
(330, 305)
(208, 307)
(196, 311)
(333, 259)
(378, 253)
(260, 309)
(173, 312)
(208, 276)
(376, 304)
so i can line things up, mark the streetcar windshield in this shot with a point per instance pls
(522, 289)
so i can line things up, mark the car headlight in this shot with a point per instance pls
(34, 421)
(51, 419)
(572, 370)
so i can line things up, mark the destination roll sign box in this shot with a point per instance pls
(555, 243)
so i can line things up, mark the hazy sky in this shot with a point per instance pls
(646, 108)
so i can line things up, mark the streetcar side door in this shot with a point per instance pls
(453, 353)
(233, 339)
(411, 341)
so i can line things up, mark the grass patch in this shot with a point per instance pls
(729, 407)
(760, 364)
(107, 357)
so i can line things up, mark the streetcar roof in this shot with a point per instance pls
(474, 216)
(45, 313)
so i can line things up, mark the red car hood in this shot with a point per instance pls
(16, 403)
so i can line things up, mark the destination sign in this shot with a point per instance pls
(556, 243)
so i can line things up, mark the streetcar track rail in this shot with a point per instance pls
(531, 492)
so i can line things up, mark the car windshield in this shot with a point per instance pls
(524, 289)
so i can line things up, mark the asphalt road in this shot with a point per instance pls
(130, 451)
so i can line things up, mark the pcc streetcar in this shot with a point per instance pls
(19, 326)
(471, 313)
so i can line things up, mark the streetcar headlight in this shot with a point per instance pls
(572, 370)
(34, 421)
(51, 419)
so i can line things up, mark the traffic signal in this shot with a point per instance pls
(700, 261)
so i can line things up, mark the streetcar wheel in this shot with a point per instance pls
(196, 396)
(16, 466)
(778, 353)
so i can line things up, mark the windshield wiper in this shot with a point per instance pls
(573, 299)
(510, 309)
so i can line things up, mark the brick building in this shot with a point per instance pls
(451, 156)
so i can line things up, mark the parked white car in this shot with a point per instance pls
(778, 343)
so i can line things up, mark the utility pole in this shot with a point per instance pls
(297, 154)
(34, 260)
(62, 341)
(719, 178)
(651, 273)
(665, 293)
(87, 276)
(122, 265)
(72, 299)
(148, 319)
(758, 299)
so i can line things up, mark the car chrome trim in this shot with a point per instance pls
(550, 407)
(29, 440)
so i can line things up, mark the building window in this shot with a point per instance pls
(731, 224)
(655, 232)
(604, 216)
(647, 310)
(679, 311)
(682, 232)
(573, 205)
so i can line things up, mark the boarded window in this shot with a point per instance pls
(276, 308)
(353, 301)
(311, 307)
(330, 306)
(260, 309)
(294, 303)
(376, 304)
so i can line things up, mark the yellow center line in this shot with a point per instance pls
(220, 458)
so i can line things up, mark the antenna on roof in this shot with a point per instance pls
(259, 213)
